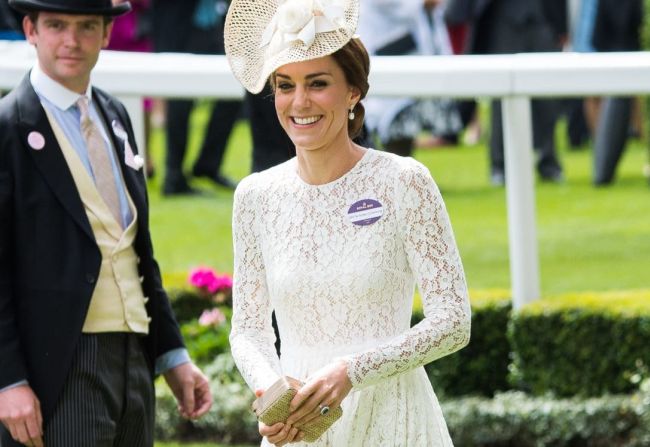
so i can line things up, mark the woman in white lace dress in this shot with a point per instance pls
(335, 240)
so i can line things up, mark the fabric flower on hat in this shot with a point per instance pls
(294, 15)
(298, 21)
(334, 9)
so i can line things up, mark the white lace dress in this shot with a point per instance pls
(338, 263)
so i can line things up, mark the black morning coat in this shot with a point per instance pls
(49, 260)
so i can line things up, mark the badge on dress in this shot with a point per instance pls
(365, 212)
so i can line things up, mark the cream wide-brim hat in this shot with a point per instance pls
(252, 60)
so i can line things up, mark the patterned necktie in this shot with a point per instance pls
(99, 160)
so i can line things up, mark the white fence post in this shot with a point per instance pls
(520, 192)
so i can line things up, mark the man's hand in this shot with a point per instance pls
(191, 388)
(20, 412)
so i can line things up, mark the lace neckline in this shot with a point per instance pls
(356, 168)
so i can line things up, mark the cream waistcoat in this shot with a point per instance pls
(117, 303)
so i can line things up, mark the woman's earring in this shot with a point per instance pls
(351, 114)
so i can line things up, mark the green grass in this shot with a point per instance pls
(589, 238)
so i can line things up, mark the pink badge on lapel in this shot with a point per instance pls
(36, 140)
(130, 159)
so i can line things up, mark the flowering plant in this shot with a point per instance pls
(212, 317)
(207, 336)
(211, 285)
(205, 313)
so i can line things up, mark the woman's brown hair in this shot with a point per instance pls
(355, 63)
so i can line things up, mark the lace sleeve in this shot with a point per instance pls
(252, 338)
(426, 234)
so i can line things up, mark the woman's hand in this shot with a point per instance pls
(327, 387)
(279, 434)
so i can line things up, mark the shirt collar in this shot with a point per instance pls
(57, 94)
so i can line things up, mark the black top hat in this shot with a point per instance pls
(89, 7)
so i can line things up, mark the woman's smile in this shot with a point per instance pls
(302, 121)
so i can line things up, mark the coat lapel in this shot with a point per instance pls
(49, 160)
(112, 117)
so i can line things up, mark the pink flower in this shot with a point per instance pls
(213, 317)
(201, 276)
(206, 278)
(219, 283)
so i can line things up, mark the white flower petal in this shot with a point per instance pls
(308, 33)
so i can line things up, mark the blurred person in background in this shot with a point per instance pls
(516, 26)
(271, 144)
(582, 112)
(132, 31)
(617, 28)
(399, 28)
(193, 26)
(468, 108)
(575, 109)
(10, 23)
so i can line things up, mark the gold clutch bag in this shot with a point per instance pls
(273, 406)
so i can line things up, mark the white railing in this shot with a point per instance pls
(514, 78)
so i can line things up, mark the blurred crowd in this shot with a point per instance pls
(399, 125)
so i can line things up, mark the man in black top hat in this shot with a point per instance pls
(84, 321)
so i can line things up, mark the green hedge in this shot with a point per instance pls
(511, 419)
(230, 420)
(188, 304)
(514, 419)
(482, 366)
(203, 341)
(582, 344)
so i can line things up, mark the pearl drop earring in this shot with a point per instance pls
(351, 114)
